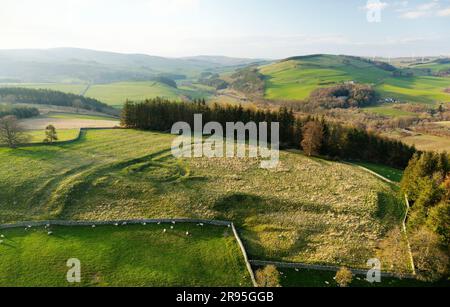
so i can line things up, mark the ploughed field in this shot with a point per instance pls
(306, 210)
(132, 255)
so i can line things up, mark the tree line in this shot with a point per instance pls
(426, 182)
(314, 135)
(49, 97)
(18, 112)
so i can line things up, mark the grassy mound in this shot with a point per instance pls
(123, 256)
(306, 210)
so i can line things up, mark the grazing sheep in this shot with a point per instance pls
(165, 230)
(171, 227)
(1, 241)
(2, 236)
(93, 226)
(174, 222)
(145, 224)
(187, 233)
(116, 224)
(124, 223)
(159, 223)
(297, 270)
(201, 224)
(49, 233)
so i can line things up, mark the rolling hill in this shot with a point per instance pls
(340, 214)
(295, 78)
(69, 65)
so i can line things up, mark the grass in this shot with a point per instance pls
(38, 136)
(306, 210)
(79, 116)
(388, 110)
(323, 279)
(296, 79)
(385, 171)
(123, 256)
(428, 90)
(116, 94)
(62, 87)
(424, 142)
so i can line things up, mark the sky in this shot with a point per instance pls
(238, 28)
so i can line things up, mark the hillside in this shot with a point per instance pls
(296, 78)
(69, 65)
(307, 210)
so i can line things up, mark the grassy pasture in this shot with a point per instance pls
(37, 136)
(123, 256)
(425, 142)
(388, 110)
(116, 94)
(306, 210)
(385, 171)
(296, 79)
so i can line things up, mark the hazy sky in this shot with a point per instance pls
(242, 28)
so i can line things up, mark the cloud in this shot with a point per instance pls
(375, 5)
(172, 6)
(429, 9)
(444, 12)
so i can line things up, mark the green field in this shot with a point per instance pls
(388, 110)
(38, 136)
(385, 171)
(429, 90)
(306, 210)
(296, 79)
(76, 89)
(123, 256)
(116, 94)
(324, 279)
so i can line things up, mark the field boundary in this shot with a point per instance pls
(326, 268)
(141, 221)
(411, 257)
(81, 133)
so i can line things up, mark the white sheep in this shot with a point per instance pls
(1, 241)
(165, 230)
(145, 224)
(93, 226)
(174, 222)
(116, 224)
(171, 227)
(2, 236)
(49, 233)
(187, 233)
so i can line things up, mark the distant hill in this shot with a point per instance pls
(296, 78)
(81, 65)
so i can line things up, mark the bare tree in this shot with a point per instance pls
(312, 138)
(11, 133)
